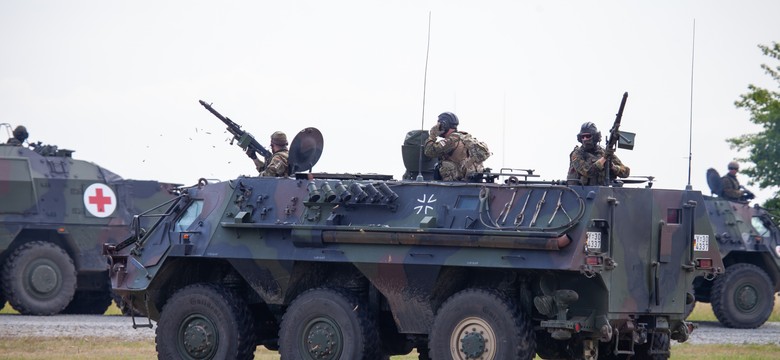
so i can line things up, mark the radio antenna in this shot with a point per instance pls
(690, 129)
(425, 85)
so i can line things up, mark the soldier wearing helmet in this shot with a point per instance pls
(731, 190)
(587, 162)
(454, 162)
(277, 164)
(19, 136)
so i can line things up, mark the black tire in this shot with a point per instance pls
(328, 324)
(39, 278)
(656, 348)
(743, 297)
(205, 321)
(481, 324)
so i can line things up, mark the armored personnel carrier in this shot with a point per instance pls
(56, 213)
(749, 243)
(355, 266)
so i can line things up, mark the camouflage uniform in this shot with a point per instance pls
(454, 161)
(585, 167)
(277, 164)
(13, 142)
(730, 185)
(455, 165)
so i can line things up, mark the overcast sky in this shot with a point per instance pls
(119, 81)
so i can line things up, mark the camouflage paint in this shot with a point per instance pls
(748, 237)
(45, 198)
(628, 253)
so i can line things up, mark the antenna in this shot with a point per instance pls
(690, 126)
(503, 131)
(425, 85)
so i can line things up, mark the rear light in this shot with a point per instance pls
(704, 263)
(593, 260)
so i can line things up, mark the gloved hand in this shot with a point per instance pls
(251, 154)
(434, 132)
(600, 163)
(609, 152)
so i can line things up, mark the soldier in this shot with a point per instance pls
(20, 135)
(587, 162)
(455, 162)
(277, 164)
(731, 190)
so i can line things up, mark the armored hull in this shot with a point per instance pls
(341, 266)
(56, 213)
(749, 243)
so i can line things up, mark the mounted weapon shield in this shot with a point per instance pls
(305, 150)
(713, 181)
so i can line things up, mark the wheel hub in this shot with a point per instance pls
(473, 338)
(473, 344)
(43, 278)
(199, 338)
(323, 339)
(746, 298)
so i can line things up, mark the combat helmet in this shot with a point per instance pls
(279, 138)
(733, 165)
(20, 133)
(589, 128)
(448, 120)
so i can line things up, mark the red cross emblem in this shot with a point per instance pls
(99, 200)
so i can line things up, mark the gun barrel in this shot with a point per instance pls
(246, 140)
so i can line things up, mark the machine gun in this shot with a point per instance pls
(49, 150)
(614, 135)
(245, 139)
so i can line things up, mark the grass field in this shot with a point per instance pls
(68, 348)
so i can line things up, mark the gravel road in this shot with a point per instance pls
(74, 326)
(122, 327)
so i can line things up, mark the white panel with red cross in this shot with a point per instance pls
(100, 200)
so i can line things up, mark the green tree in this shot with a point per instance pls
(763, 147)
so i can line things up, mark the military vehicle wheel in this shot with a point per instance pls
(39, 278)
(205, 321)
(656, 348)
(481, 324)
(328, 324)
(743, 297)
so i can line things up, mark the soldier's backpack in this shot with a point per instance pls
(476, 150)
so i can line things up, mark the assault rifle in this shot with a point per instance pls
(614, 135)
(245, 139)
